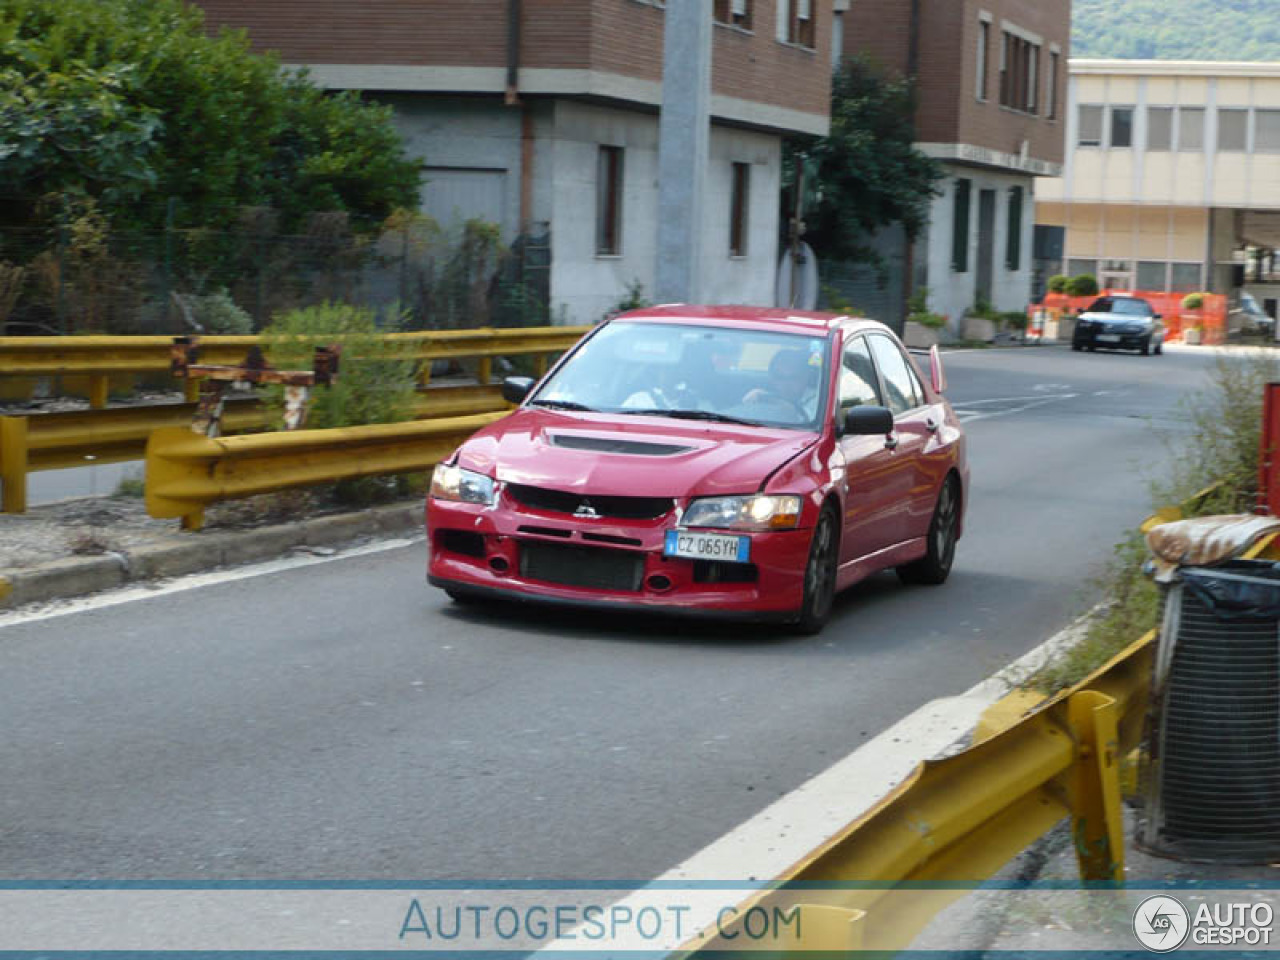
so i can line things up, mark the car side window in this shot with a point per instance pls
(902, 388)
(858, 383)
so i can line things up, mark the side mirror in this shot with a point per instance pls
(1158, 317)
(868, 422)
(515, 389)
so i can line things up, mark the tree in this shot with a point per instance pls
(867, 173)
(131, 102)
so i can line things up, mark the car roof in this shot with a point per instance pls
(772, 319)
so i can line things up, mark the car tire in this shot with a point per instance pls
(1145, 349)
(462, 597)
(1159, 348)
(1077, 347)
(935, 566)
(820, 575)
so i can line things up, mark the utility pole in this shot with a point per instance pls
(684, 130)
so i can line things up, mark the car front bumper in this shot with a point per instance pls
(607, 563)
(1121, 341)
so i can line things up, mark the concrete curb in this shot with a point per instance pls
(77, 576)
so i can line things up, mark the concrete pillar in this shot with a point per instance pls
(684, 132)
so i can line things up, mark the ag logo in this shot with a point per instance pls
(1161, 923)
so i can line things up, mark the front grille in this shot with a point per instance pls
(571, 566)
(466, 542)
(560, 501)
(1215, 774)
(713, 571)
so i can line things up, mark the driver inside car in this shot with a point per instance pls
(793, 386)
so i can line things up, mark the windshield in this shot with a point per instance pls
(695, 373)
(1125, 307)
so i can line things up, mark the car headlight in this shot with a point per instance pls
(455, 483)
(744, 513)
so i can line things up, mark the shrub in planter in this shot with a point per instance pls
(1058, 283)
(1193, 301)
(1084, 285)
(1015, 320)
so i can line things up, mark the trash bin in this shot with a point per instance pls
(1213, 771)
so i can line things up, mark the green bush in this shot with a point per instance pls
(1193, 301)
(132, 102)
(375, 382)
(217, 314)
(1014, 320)
(632, 299)
(1084, 285)
(1058, 283)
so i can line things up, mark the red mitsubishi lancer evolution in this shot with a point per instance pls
(723, 461)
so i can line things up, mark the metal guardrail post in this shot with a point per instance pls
(13, 464)
(99, 390)
(1097, 825)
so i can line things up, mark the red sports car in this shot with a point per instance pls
(725, 461)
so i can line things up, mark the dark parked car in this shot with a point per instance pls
(1119, 323)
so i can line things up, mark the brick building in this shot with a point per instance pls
(542, 116)
(991, 78)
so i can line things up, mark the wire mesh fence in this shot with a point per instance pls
(81, 277)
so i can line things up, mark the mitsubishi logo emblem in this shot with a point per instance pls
(585, 509)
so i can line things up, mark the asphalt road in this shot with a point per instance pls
(345, 722)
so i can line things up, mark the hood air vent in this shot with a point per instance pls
(636, 448)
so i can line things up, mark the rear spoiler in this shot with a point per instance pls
(937, 375)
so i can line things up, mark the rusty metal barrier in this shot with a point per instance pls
(955, 822)
(56, 441)
(101, 357)
(186, 472)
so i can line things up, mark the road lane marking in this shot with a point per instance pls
(967, 415)
(769, 843)
(161, 588)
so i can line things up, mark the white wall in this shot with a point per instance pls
(588, 285)
(952, 293)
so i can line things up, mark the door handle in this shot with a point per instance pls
(891, 441)
(931, 425)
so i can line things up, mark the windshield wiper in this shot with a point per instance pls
(692, 415)
(563, 405)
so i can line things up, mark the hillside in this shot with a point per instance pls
(1177, 29)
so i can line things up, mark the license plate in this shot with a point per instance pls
(707, 546)
(1109, 337)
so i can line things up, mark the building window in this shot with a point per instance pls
(609, 201)
(1191, 128)
(1233, 130)
(1090, 133)
(736, 13)
(984, 41)
(1013, 259)
(1076, 267)
(1159, 129)
(739, 204)
(1051, 102)
(1184, 277)
(795, 22)
(1266, 138)
(960, 227)
(1152, 275)
(1121, 127)
(1019, 66)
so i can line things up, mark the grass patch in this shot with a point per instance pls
(133, 485)
(1222, 446)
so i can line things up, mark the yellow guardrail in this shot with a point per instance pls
(186, 472)
(955, 822)
(101, 357)
(54, 441)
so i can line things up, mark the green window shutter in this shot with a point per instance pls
(960, 227)
(1014, 258)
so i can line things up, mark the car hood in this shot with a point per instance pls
(635, 456)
